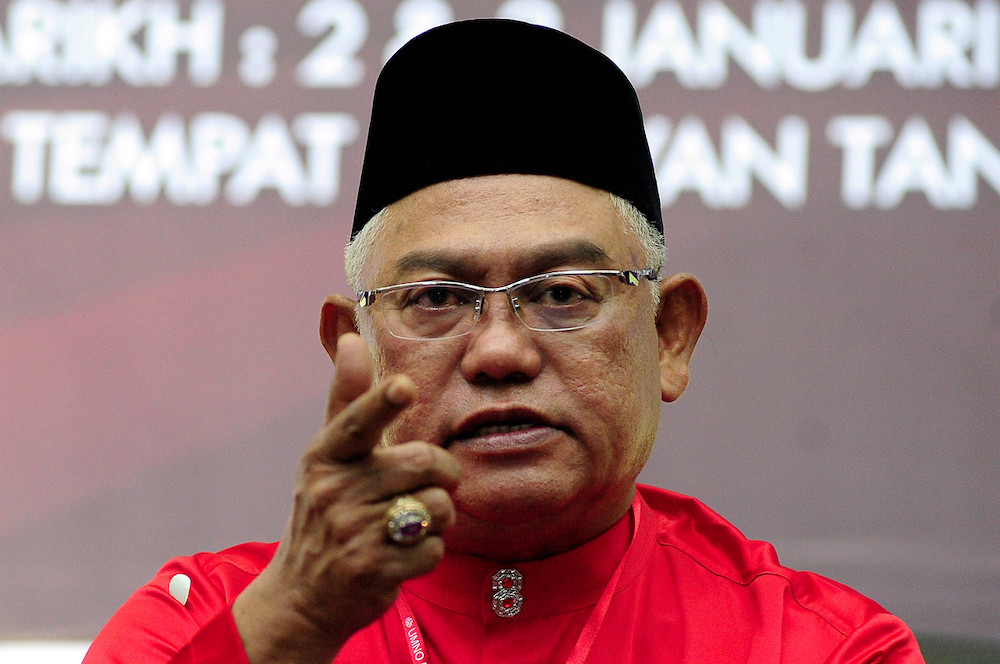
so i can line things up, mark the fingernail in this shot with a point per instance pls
(396, 393)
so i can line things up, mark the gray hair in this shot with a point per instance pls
(358, 250)
(651, 242)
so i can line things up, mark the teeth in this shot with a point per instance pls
(502, 428)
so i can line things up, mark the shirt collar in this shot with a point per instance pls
(565, 582)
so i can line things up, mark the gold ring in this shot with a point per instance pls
(407, 520)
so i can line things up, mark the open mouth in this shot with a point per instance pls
(500, 428)
(503, 430)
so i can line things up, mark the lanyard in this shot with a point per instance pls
(415, 639)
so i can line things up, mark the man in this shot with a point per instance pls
(472, 495)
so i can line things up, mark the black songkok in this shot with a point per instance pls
(494, 96)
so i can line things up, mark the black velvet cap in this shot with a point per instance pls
(494, 96)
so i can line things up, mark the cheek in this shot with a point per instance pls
(617, 386)
(430, 365)
(416, 359)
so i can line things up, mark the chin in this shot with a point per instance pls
(516, 501)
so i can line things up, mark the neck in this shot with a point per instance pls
(535, 536)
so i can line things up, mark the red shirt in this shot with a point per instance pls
(691, 589)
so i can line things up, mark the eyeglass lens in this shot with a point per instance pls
(560, 302)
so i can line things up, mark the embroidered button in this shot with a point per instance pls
(507, 598)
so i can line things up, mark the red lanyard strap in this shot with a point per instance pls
(414, 638)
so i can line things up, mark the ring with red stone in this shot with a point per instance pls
(407, 520)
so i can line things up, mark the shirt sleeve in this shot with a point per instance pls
(182, 616)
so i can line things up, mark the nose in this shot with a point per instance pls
(500, 346)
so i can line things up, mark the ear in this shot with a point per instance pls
(679, 322)
(336, 319)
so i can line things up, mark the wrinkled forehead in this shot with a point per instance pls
(499, 228)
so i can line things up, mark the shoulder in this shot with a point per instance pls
(245, 560)
(211, 577)
(188, 598)
(692, 528)
(705, 548)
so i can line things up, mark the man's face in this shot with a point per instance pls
(547, 426)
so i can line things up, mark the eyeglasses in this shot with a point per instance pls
(549, 302)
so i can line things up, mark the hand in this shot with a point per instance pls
(335, 570)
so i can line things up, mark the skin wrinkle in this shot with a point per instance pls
(530, 261)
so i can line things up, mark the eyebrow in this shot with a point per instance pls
(531, 261)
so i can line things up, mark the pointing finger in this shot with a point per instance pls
(354, 373)
(357, 412)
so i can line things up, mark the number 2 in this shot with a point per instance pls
(333, 63)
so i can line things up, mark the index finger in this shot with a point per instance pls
(353, 375)
(357, 412)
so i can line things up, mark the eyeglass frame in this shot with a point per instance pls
(367, 298)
